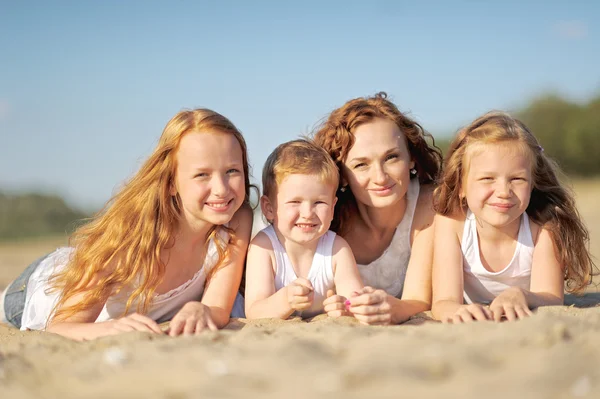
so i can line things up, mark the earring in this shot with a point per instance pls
(413, 172)
(343, 189)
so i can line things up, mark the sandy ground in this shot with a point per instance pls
(554, 354)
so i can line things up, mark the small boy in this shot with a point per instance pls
(296, 261)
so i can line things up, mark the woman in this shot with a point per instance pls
(384, 207)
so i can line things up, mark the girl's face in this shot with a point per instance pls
(378, 165)
(302, 209)
(498, 183)
(209, 177)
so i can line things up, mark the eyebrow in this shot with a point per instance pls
(361, 159)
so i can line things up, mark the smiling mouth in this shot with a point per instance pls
(502, 206)
(305, 225)
(219, 205)
(382, 189)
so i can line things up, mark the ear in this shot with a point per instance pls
(412, 164)
(267, 208)
(335, 199)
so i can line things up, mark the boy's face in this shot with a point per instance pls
(302, 209)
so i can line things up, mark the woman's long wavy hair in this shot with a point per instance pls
(336, 136)
(552, 205)
(122, 245)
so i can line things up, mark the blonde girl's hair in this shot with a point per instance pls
(336, 136)
(122, 245)
(552, 205)
(298, 157)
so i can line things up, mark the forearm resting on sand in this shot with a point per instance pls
(404, 309)
(445, 309)
(276, 305)
(82, 331)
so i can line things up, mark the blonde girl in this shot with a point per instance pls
(388, 164)
(507, 234)
(170, 245)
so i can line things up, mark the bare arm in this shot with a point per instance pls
(345, 272)
(221, 290)
(448, 283)
(262, 300)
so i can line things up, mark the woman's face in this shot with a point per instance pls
(378, 165)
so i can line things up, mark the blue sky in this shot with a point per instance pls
(87, 87)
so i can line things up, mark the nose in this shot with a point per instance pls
(306, 210)
(219, 185)
(503, 189)
(379, 175)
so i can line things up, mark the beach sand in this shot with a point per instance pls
(553, 354)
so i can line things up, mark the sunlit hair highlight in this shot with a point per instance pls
(298, 157)
(336, 136)
(552, 205)
(122, 246)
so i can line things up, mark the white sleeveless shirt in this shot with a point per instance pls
(389, 270)
(39, 302)
(481, 285)
(320, 274)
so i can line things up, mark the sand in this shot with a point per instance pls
(553, 354)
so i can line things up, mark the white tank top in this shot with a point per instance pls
(320, 274)
(39, 303)
(389, 270)
(481, 285)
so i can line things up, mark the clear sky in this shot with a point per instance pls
(86, 87)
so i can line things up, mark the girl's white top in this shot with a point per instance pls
(481, 285)
(389, 270)
(39, 302)
(320, 274)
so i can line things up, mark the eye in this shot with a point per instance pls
(320, 202)
(520, 179)
(359, 165)
(486, 179)
(201, 174)
(392, 156)
(233, 171)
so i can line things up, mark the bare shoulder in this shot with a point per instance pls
(262, 241)
(424, 212)
(339, 244)
(537, 232)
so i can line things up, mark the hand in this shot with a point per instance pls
(334, 305)
(300, 294)
(193, 318)
(512, 304)
(370, 306)
(132, 322)
(469, 313)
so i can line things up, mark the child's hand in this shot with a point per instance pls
(370, 306)
(469, 313)
(334, 305)
(133, 322)
(193, 318)
(300, 294)
(512, 304)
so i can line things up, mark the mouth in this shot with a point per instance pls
(219, 206)
(382, 190)
(502, 206)
(306, 226)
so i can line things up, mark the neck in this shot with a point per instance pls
(381, 220)
(510, 232)
(297, 252)
(189, 238)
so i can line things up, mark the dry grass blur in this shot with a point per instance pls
(15, 256)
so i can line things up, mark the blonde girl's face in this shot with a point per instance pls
(209, 177)
(377, 168)
(302, 209)
(498, 183)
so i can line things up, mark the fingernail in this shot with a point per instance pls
(347, 304)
